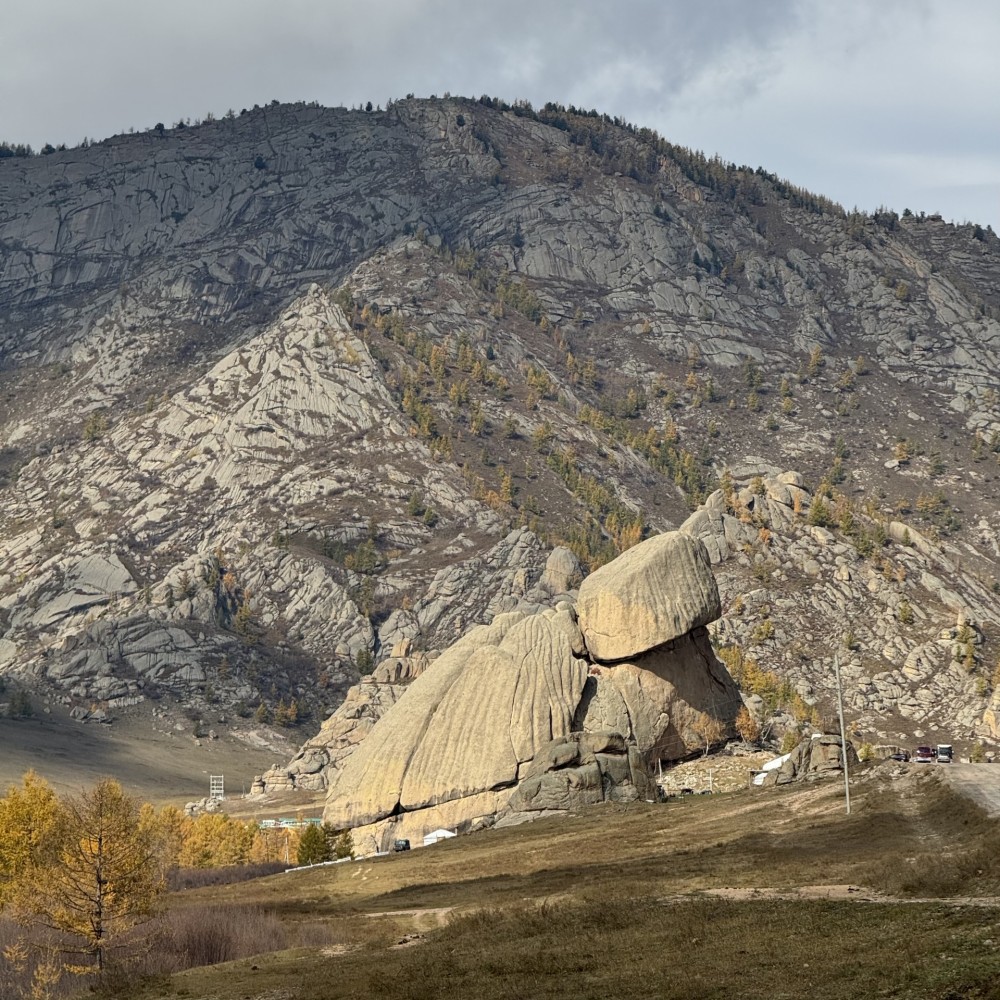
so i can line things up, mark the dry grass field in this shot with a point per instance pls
(150, 761)
(771, 893)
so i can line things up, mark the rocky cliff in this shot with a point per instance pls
(287, 396)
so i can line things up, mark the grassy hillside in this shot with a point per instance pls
(767, 894)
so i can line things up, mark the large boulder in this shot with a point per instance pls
(657, 591)
(661, 700)
(516, 719)
(817, 757)
(466, 724)
(562, 572)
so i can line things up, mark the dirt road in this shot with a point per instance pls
(980, 782)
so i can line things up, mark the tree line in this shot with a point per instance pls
(86, 871)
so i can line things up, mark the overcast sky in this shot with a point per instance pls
(871, 102)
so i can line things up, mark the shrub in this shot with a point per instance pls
(197, 878)
(747, 725)
(94, 428)
(364, 661)
(790, 741)
(20, 706)
(206, 935)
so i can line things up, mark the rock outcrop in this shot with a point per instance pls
(582, 769)
(802, 579)
(518, 718)
(819, 757)
(339, 736)
(481, 588)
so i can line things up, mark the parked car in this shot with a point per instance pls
(400, 845)
(903, 755)
(924, 755)
(944, 753)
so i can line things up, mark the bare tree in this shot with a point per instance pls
(709, 729)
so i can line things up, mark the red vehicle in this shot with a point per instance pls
(924, 755)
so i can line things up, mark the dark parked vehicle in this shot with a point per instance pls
(903, 755)
(400, 845)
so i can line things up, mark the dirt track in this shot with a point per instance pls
(980, 782)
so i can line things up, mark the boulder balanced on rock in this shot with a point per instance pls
(651, 594)
(542, 711)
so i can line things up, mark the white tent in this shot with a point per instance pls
(435, 835)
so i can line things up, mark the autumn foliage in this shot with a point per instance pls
(85, 871)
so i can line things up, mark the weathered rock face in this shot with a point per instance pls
(660, 699)
(466, 724)
(216, 340)
(917, 620)
(514, 715)
(653, 593)
(340, 734)
(137, 600)
(583, 769)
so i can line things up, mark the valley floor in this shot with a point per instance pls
(152, 760)
(765, 893)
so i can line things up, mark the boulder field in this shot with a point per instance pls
(547, 711)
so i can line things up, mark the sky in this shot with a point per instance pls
(873, 103)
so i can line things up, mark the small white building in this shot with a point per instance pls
(435, 835)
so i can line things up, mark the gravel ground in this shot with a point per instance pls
(720, 772)
(980, 782)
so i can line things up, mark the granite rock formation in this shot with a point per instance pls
(517, 717)
(819, 757)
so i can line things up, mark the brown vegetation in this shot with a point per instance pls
(614, 902)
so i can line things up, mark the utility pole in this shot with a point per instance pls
(843, 734)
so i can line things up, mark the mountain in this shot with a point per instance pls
(285, 393)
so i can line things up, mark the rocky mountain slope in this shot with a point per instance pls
(288, 395)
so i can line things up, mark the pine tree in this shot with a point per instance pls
(313, 846)
(343, 845)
